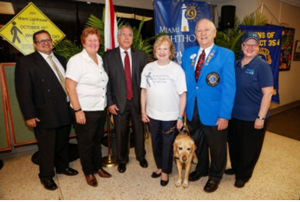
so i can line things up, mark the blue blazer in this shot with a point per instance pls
(215, 88)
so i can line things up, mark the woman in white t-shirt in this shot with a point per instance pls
(163, 100)
(86, 82)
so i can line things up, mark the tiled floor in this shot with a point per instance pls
(276, 176)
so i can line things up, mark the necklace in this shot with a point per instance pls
(163, 67)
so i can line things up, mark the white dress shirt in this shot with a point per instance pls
(123, 57)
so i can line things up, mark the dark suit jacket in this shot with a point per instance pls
(116, 87)
(40, 93)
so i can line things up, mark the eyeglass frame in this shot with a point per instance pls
(250, 45)
(124, 35)
(44, 41)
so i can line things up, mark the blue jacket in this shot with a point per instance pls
(215, 88)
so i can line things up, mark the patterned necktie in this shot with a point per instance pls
(59, 74)
(199, 65)
(128, 76)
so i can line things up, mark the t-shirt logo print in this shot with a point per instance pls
(148, 78)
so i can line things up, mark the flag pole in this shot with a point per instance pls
(109, 160)
(110, 34)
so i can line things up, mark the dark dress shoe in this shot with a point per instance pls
(103, 173)
(68, 171)
(164, 183)
(211, 186)
(196, 175)
(230, 172)
(122, 167)
(49, 184)
(144, 163)
(155, 175)
(91, 180)
(239, 183)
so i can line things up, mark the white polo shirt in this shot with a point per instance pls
(91, 81)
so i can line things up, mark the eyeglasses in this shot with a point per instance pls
(44, 41)
(124, 35)
(250, 45)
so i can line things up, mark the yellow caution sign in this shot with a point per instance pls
(20, 29)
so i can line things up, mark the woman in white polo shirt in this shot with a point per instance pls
(163, 100)
(86, 82)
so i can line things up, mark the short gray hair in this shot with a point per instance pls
(125, 26)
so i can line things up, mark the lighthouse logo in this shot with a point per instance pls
(189, 12)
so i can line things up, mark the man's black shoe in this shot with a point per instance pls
(239, 183)
(49, 184)
(144, 163)
(68, 171)
(194, 176)
(122, 167)
(211, 186)
(230, 172)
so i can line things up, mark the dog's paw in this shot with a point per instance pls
(178, 183)
(185, 185)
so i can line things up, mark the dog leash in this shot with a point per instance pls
(159, 131)
(146, 131)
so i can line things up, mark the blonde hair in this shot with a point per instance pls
(159, 41)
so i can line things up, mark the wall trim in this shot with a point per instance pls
(284, 107)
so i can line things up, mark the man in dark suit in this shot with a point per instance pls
(39, 82)
(124, 66)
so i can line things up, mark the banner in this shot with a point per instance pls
(19, 30)
(110, 27)
(179, 19)
(269, 50)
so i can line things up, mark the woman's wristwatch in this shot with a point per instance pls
(78, 110)
(261, 118)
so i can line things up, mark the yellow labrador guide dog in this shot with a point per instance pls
(184, 151)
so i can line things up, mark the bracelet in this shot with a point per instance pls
(261, 118)
(77, 110)
(180, 118)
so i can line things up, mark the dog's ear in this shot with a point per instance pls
(175, 150)
(194, 146)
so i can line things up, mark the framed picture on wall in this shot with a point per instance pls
(286, 48)
(297, 51)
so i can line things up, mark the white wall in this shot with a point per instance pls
(243, 7)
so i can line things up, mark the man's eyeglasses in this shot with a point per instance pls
(44, 41)
(124, 34)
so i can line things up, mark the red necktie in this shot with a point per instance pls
(199, 65)
(128, 76)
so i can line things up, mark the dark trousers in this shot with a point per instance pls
(245, 143)
(122, 129)
(89, 136)
(162, 144)
(53, 150)
(209, 137)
